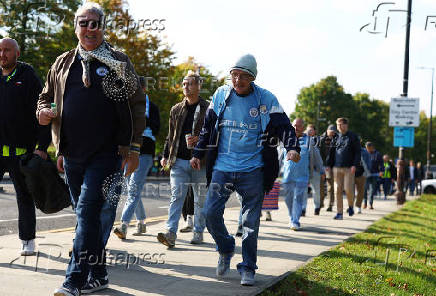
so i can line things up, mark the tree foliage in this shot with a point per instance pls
(42, 28)
(369, 118)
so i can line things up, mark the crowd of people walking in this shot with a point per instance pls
(103, 125)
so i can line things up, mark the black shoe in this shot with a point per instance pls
(94, 285)
(303, 213)
(350, 211)
(317, 211)
(329, 209)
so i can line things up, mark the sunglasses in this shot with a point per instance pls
(90, 24)
(240, 76)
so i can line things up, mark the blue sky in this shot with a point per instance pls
(296, 43)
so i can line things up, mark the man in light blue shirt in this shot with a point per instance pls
(240, 134)
(296, 174)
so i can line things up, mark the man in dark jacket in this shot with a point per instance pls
(324, 148)
(98, 130)
(240, 159)
(411, 177)
(376, 170)
(344, 158)
(20, 131)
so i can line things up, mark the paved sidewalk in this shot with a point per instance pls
(186, 269)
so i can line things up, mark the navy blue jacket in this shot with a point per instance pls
(19, 127)
(275, 126)
(345, 151)
(376, 166)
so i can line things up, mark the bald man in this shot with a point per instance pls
(296, 175)
(20, 132)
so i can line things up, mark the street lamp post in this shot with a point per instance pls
(429, 131)
(401, 195)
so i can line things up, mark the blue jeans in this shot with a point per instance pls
(250, 186)
(315, 183)
(181, 176)
(371, 189)
(135, 183)
(86, 180)
(294, 198)
(304, 201)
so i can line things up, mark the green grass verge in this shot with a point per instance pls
(358, 265)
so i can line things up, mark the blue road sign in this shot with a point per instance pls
(404, 137)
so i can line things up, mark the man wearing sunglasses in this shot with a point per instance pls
(97, 130)
(240, 135)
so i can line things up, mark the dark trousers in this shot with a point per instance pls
(2, 172)
(387, 185)
(188, 205)
(411, 186)
(88, 181)
(26, 206)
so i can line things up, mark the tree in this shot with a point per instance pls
(419, 151)
(333, 103)
(371, 121)
(42, 28)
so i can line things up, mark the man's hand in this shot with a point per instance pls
(353, 169)
(323, 177)
(41, 154)
(293, 155)
(45, 116)
(380, 174)
(163, 162)
(195, 163)
(327, 169)
(132, 162)
(60, 164)
(192, 141)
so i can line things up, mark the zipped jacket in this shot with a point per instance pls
(275, 128)
(18, 99)
(178, 115)
(131, 122)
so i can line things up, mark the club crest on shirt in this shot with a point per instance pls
(254, 112)
(102, 71)
(263, 109)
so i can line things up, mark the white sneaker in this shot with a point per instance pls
(359, 210)
(27, 247)
(189, 224)
(197, 238)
